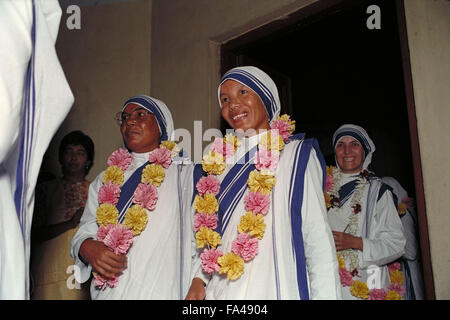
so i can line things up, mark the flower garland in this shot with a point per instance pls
(260, 182)
(359, 289)
(117, 236)
(333, 183)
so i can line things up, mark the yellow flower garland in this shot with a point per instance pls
(136, 216)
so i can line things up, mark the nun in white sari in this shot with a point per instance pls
(34, 99)
(367, 230)
(157, 265)
(296, 258)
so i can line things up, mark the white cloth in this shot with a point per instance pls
(154, 261)
(259, 280)
(53, 102)
(412, 252)
(385, 241)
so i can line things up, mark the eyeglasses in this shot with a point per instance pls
(138, 115)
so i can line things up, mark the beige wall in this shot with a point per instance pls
(428, 26)
(185, 63)
(105, 62)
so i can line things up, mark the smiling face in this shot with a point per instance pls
(140, 131)
(349, 155)
(242, 108)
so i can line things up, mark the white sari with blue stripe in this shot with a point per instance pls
(34, 99)
(296, 257)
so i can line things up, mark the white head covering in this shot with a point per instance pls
(159, 110)
(357, 132)
(260, 83)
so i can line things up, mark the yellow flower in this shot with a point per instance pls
(107, 214)
(396, 276)
(359, 289)
(232, 265)
(330, 170)
(172, 146)
(207, 204)
(254, 224)
(271, 142)
(206, 236)
(213, 163)
(168, 144)
(153, 174)
(232, 139)
(327, 200)
(260, 182)
(341, 262)
(136, 219)
(287, 118)
(401, 208)
(113, 174)
(393, 295)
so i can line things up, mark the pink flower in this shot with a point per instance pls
(329, 183)
(205, 220)
(146, 196)
(265, 159)
(245, 246)
(109, 193)
(397, 287)
(257, 202)
(346, 277)
(121, 158)
(283, 128)
(103, 231)
(377, 294)
(161, 156)
(394, 266)
(208, 184)
(220, 146)
(101, 282)
(209, 260)
(119, 238)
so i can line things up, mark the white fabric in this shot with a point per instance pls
(153, 270)
(53, 101)
(412, 254)
(385, 242)
(259, 278)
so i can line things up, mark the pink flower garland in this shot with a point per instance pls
(244, 245)
(374, 294)
(118, 237)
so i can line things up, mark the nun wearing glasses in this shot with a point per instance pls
(367, 230)
(134, 234)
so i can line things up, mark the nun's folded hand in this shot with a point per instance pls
(345, 241)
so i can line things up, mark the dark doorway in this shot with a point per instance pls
(331, 69)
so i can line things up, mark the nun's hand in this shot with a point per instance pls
(345, 241)
(197, 290)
